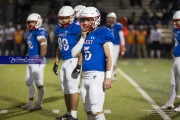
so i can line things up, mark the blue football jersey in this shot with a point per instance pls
(33, 44)
(176, 36)
(94, 58)
(67, 39)
(115, 29)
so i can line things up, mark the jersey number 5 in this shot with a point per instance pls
(87, 53)
(175, 42)
(63, 44)
(30, 45)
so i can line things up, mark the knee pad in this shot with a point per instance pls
(95, 110)
(39, 83)
(29, 82)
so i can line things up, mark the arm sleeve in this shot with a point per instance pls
(109, 70)
(121, 35)
(77, 48)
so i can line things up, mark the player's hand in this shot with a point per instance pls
(84, 31)
(55, 68)
(122, 50)
(107, 84)
(76, 72)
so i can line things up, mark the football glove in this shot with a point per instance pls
(55, 68)
(76, 72)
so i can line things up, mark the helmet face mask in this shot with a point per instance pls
(66, 16)
(64, 21)
(176, 19)
(34, 21)
(176, 24)
(87, 23)
(31, 25)
(90, 18)
(111, 18)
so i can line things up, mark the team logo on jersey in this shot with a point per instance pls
(94, 77)
(62, 34)
(42, 32)
(88, 41)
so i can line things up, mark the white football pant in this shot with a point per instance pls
(116, 50)
(92, 91)
(175, 77)
(35, 73)
(69, 85)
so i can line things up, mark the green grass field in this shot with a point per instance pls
(123, 99)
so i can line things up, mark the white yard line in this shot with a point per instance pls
(145, 95)
(1, 65)
(3, 111)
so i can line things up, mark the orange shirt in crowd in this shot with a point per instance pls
(141, 37)
(18, 36)
(130, 37)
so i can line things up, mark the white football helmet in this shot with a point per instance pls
(90, 13)
(111, 18)
(66, 11)
(78, 9)
(34, 17)
(176, 19)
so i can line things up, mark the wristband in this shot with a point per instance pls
(43, 43)
(108, 74)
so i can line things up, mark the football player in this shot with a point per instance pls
(67, 32)
(97, 63)
(78, 9)
(118, 41)
(37, 42)
(175, 75)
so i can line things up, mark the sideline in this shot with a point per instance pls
(145, 95)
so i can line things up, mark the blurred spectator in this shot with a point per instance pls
(51, 42)
(130, 42)
(133, 18)
(1, 39)
(155, 19)
(25, 45)
(164, 4)
(145, 18)
(18, 34)
(9, 39)
(165, 19)
(155, 38)
(141, 42)
(154, 5)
